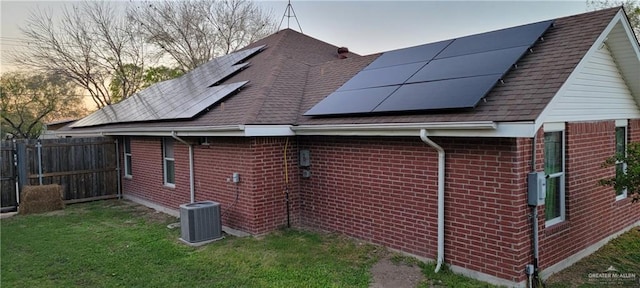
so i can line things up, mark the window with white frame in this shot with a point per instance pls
(168, 162)
(621, 148)
(127, 157)
(554, 153)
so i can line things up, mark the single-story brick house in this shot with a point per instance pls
(449, 185)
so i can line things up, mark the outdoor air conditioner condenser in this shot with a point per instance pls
(200, 222)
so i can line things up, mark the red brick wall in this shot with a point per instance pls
(256, 204)
(384, 190)
(269, 183)
(592, 212)
(147, 181)
(214, 167)
(486, 206)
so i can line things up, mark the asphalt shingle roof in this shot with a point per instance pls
(526, 90)
(297, 71)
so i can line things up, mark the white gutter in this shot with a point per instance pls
(444, 129)
(191, 180)
(411, 127)
(194, 131)
(441, 158)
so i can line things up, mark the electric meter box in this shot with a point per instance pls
(537, 188)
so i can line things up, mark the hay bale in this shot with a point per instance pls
(38, 199)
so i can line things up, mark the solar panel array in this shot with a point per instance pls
(451, 74)
(180, 98)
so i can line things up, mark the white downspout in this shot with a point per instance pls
(191, 181)
(425, 139)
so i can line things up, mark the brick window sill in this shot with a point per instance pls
(557, 228)
(622, 202)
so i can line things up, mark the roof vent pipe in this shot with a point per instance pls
(342, 52)
(425, 138)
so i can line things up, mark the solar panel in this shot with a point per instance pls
(178, 98)
(220, 68)
(208, 76)
(351, 102)
(485, 63)
(175, 106)
(458, 73)
(386, 76)
(420, 53)
(204, 100)
(239, 56)
(525, 35)
(435, 95)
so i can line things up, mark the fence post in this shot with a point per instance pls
(118, 168)
(21, 150)
(14, 153)
(39, 146)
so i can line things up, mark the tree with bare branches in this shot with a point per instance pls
(90, 44)
(29, 100)
(194, 32)
(109, 51)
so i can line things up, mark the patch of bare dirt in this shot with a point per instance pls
(389, 272)
(158, 217)
(149, 214)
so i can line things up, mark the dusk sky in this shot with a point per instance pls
(365, 27)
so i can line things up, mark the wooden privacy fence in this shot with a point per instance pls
(8, 174)
(87, 168)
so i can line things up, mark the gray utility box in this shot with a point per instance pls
(200, 222)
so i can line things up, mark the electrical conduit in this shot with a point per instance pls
(286, 182)
(425, 138)
(191, 181)
(534, 219)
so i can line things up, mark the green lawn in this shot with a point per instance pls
(117, 244)
(621, 254)
(120, 244)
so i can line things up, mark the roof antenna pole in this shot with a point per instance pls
(287, 13)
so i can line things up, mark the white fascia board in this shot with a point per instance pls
(618, 18)
(63, 134)
(441, 129)
(388, 129)
(196, 131)
(268, 130)
(502, 130)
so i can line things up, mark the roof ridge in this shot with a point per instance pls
(302, 97)
(617, 8)
(265, 87)
(260, 108)
(292, 50)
